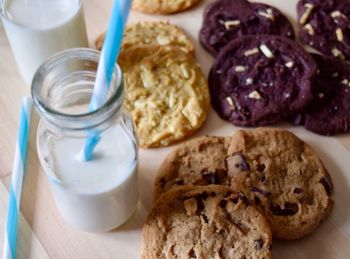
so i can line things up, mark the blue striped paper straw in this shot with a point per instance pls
(109, 55)
(17, 180)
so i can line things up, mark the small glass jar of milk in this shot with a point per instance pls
(101, 194)
(38, 29)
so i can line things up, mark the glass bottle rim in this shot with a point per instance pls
(68, 55)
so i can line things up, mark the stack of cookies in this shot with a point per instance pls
(166, 92)
(261, 76)
(221, 197)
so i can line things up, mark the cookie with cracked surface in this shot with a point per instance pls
(325, 26)
(259, 80)
(152, 33)
(200, 161)
(205, 222)
(329, 112)
(226, 20)
(166, 93)
(163, 6)
(283, 177)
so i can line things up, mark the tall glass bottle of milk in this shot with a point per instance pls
(37, 29)
(101, 194)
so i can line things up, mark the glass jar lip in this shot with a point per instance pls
(3, 16)
(71, 54)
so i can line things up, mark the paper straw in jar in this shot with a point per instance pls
(108, 58)
(18, 170)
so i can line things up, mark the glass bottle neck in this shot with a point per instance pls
(62, 88)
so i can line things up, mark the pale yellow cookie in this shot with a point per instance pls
(152, 33)
(163, 6)
(166, 93)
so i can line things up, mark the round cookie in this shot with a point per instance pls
(152, 33)
(283, 177)
(325, 26)
(205, 222)
(226, 20)
(259, 80)
(200, 161)
(329, 113)
(163, 6)
(166, 93)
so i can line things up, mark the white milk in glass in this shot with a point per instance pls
(37, 29)
(107, 183)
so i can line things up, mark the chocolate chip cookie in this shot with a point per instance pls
(200, 161)
(329, 113)
(259, 80)
(283, 177)
(205, 222)
(325, 26)
(225, 20)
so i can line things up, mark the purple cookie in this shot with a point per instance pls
(330, 111)
(325, 26)
(225, 20)
(258, 80)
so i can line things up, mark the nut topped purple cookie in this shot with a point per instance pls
(225, 20)
(325, 26)
(283, 177)
(330, 111)
(258, 80)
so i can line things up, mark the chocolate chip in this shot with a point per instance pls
(289, 209)
(298, 190)
(262, 178)
(179, 182)
(327, 184)
(192, 253)
(235, 200)
(162, 182)
(236, 163)
(200, 205)
(257, 201)
(204, 195)
(205, 218)
(213, 194)
(259, 244)
(223, 203)
(211, 177)
(261, 191)
(260, 168)
(243, 198)
(229, 193)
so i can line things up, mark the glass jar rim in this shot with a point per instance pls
(3, 16)
(69, 55)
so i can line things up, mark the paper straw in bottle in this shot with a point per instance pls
(108, 58)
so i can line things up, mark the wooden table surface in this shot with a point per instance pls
(43, 233)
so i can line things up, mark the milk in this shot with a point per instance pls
(98, 195)
(37, 29)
